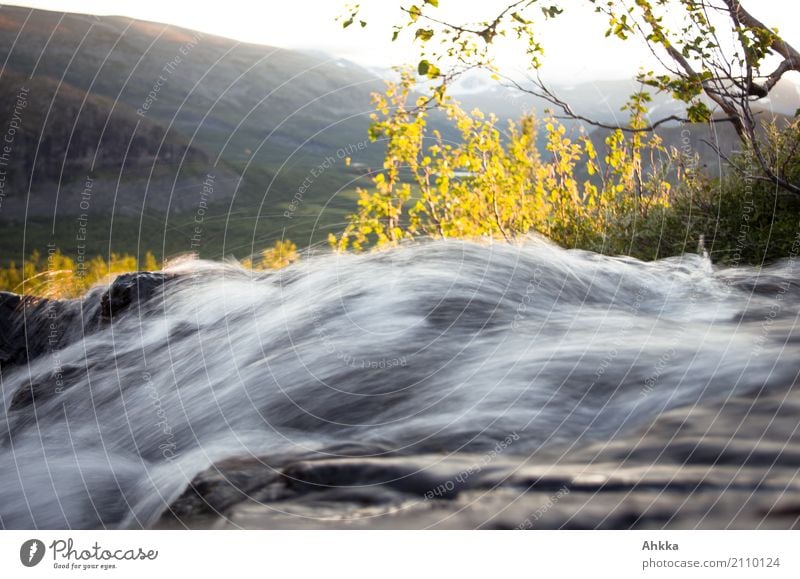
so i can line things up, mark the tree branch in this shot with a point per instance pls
(791, 57)
(546, 94)
(768, 177)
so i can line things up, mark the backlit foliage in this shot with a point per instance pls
(281, 254)
(714, 56)
(58, 276)
(494, 182)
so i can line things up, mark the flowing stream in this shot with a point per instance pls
(440, 347)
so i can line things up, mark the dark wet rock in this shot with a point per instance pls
(32, 327)
(398, 474)
(129, 289)
(222, 486)
(723, 465)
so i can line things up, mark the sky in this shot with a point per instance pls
(581, 52)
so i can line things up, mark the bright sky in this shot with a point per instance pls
(575, 46)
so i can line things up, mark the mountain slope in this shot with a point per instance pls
(149, 110)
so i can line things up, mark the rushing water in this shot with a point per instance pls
(435, 347)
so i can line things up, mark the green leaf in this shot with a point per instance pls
(426, 68)
(423, 67)
(424, 33)
(698, 112)
(516, 16)
(551, 11)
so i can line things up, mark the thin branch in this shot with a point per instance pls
(768, 177)
(548, 95)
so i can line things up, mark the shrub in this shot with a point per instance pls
(630, 195)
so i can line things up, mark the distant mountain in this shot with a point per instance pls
(600, 100)
(56, 144)
(148, 110)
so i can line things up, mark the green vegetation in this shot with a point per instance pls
(58, 276)
(714, 56)
(630, 196)
(281, 254)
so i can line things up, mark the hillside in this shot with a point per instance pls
(148, 110)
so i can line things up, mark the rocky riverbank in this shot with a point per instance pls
(730, 465)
